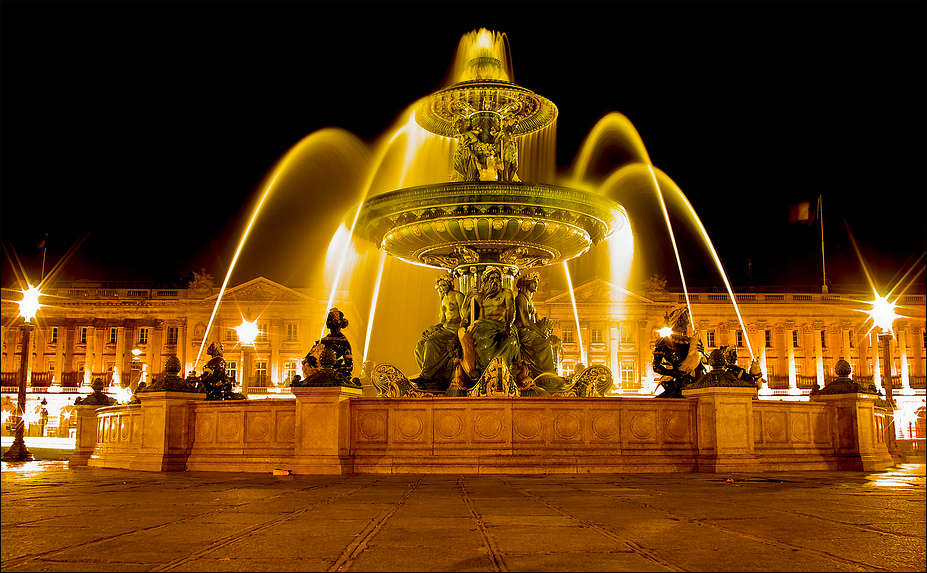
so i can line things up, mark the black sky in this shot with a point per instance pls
(150, 126)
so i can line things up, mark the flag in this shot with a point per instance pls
(802, 213)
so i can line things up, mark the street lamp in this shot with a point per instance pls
(883, 315)
(247, 332)
(28, 306)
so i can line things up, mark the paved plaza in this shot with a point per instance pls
(89, 519)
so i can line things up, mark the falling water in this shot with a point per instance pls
(373, 303)
(579, 336)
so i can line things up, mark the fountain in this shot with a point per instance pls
(486, 228)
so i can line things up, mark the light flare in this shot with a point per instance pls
(665, 332)
(29, 305)
(247, 331)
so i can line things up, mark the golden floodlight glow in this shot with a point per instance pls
(29, 305)
(665, 332)
(247, 332)
(882, 313)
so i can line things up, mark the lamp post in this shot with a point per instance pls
(883, 315)
(28, 306)
(247, 332)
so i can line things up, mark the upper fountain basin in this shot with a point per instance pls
(521, 224)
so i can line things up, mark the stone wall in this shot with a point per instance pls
(334, 431)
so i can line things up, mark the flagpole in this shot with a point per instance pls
(823, 269)
(44, 249)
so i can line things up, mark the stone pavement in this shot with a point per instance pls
(89, 519)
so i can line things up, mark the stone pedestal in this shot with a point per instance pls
(167, 433)
(323, 430)
(858, 437)
(724, 418)
(86, 439)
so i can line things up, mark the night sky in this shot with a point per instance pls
(148, 128)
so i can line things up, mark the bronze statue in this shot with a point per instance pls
(730, 364)
(466, 163)
(214, 381)
(680, 358)
(330, 361)
(489, 330)
(533, 334)
(438, 352)
(98, 397)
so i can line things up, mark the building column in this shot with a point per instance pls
(902, 336)
(790, 336)
(876, 361)
(917, 351)
(817, 330)
(645, 356)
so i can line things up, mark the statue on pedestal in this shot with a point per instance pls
(330, 361)
(438, 352)
(491, 334)
(679, 357)
(214, 381)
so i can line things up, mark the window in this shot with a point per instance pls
(797, 369)
(231, 335)
(260, 374)
(83, 335)
(624, 335)
(596, 335)
(740, 338)
(113, 333)
(711, 338)
(852, 340)
(143, 335)
(262, 331)
(768, 334)
(567, 365)
(823, 339)
(231, 368)
(568, 335)
(292, 332)
(289, 368)
(626, 374)
(53, 339)
(795, 339)
(770, 370)
(172, 334)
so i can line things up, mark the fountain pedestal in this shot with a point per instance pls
(858, 431)
(725, 429)
(167, 432)
(323, 430)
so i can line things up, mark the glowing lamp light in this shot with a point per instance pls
(5, 416)
(665, 332)
(247, 332)
(29, 305)
(883, 313)
(136, 352)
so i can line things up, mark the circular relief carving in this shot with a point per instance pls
(527, 426)
(410, 426)
(204, 428)
(567, 426)
(552, 228)
(800, 428)
(467, 224)
(228, 428)
(775, 426)
(642, 425)
(448, 426)
(258, 427)
(527, 225)
(440, 226)
(371, 426)
(488, 425)
(124, 430)
(416, 230)
(497, 224)
(676, 426)
(286, 428)
(605, 426)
